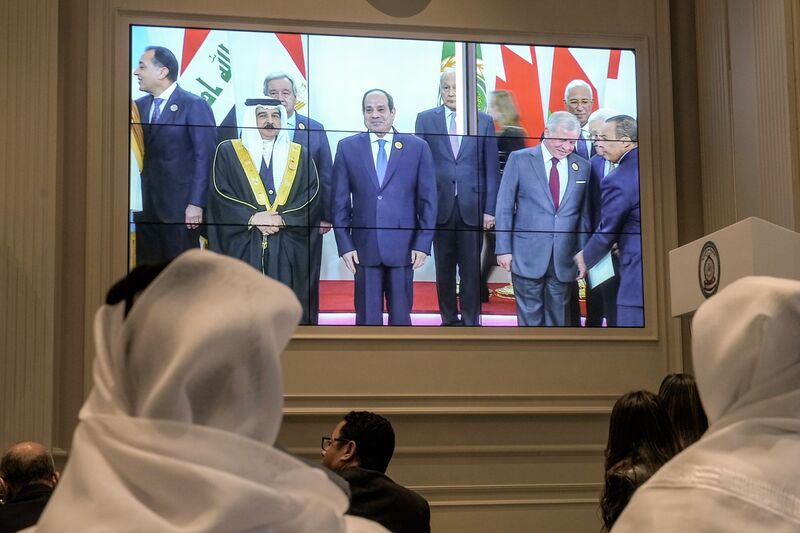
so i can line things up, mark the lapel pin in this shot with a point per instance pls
(301, 126)
(398, 145)
(574, 166)
(173, 107)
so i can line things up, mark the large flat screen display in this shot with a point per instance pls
(394, 181)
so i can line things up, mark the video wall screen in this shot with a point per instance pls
(394, 181)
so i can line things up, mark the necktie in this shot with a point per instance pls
(381, 162)
(554, 183)
(582, 149)
(156, 109)
(453, 137)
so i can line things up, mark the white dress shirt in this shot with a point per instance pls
(373, 139)
(165, 96)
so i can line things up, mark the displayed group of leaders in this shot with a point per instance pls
(550, 213)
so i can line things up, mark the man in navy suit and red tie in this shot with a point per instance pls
(620, 218)
(180, 137)
(467, 176)
(384, 211)
(311, 135)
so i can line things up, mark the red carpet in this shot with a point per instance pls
(337, 297)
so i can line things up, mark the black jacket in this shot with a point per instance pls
(376, 497)
(26, 507)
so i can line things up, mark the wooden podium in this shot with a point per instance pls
(751, 247)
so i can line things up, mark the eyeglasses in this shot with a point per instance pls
(327, 441)
(583, 101)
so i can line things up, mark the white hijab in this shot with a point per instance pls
(251, 138)
(744, 473)
(177, 434)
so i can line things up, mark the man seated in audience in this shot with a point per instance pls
(359, 450)
(29, 476)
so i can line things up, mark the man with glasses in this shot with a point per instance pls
(359, 450)
(579, 101)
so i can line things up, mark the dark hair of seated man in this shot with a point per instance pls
(640, 440)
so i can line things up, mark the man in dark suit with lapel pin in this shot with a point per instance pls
(467, 177)
(542, 221)
(384, 211)
(179, 141)
(311, 135)
(620, 220)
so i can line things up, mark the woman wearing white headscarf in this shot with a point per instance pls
(744, 472)
(263, 198)
(178, 432)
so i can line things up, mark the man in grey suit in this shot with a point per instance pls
(543, 220)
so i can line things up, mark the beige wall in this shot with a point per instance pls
(501, 431)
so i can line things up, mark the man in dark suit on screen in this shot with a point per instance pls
(179, 142)
(620, 219)
(467, 177)
(542, 221)
(384, 211)
(311, 135)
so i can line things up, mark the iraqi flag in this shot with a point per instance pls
(206, 70)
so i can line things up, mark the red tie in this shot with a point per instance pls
(554, 185)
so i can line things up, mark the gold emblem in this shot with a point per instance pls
(301, 126)
(398, 145)
(574, 166)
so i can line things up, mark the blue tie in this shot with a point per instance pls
(156, 109)
(582, 150)
(381, 162)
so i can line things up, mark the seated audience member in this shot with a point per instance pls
(640, 441)
(744, 473)
(359, 450)
(178, 432)
(678, 393)
(29, 477)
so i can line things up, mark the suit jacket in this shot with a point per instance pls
(597, 169)
(312, 136)
(529, 227)
(475, 172)
(376, 497)
(177, 158)
(384, 223)
(24, 510)
(621, 223)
